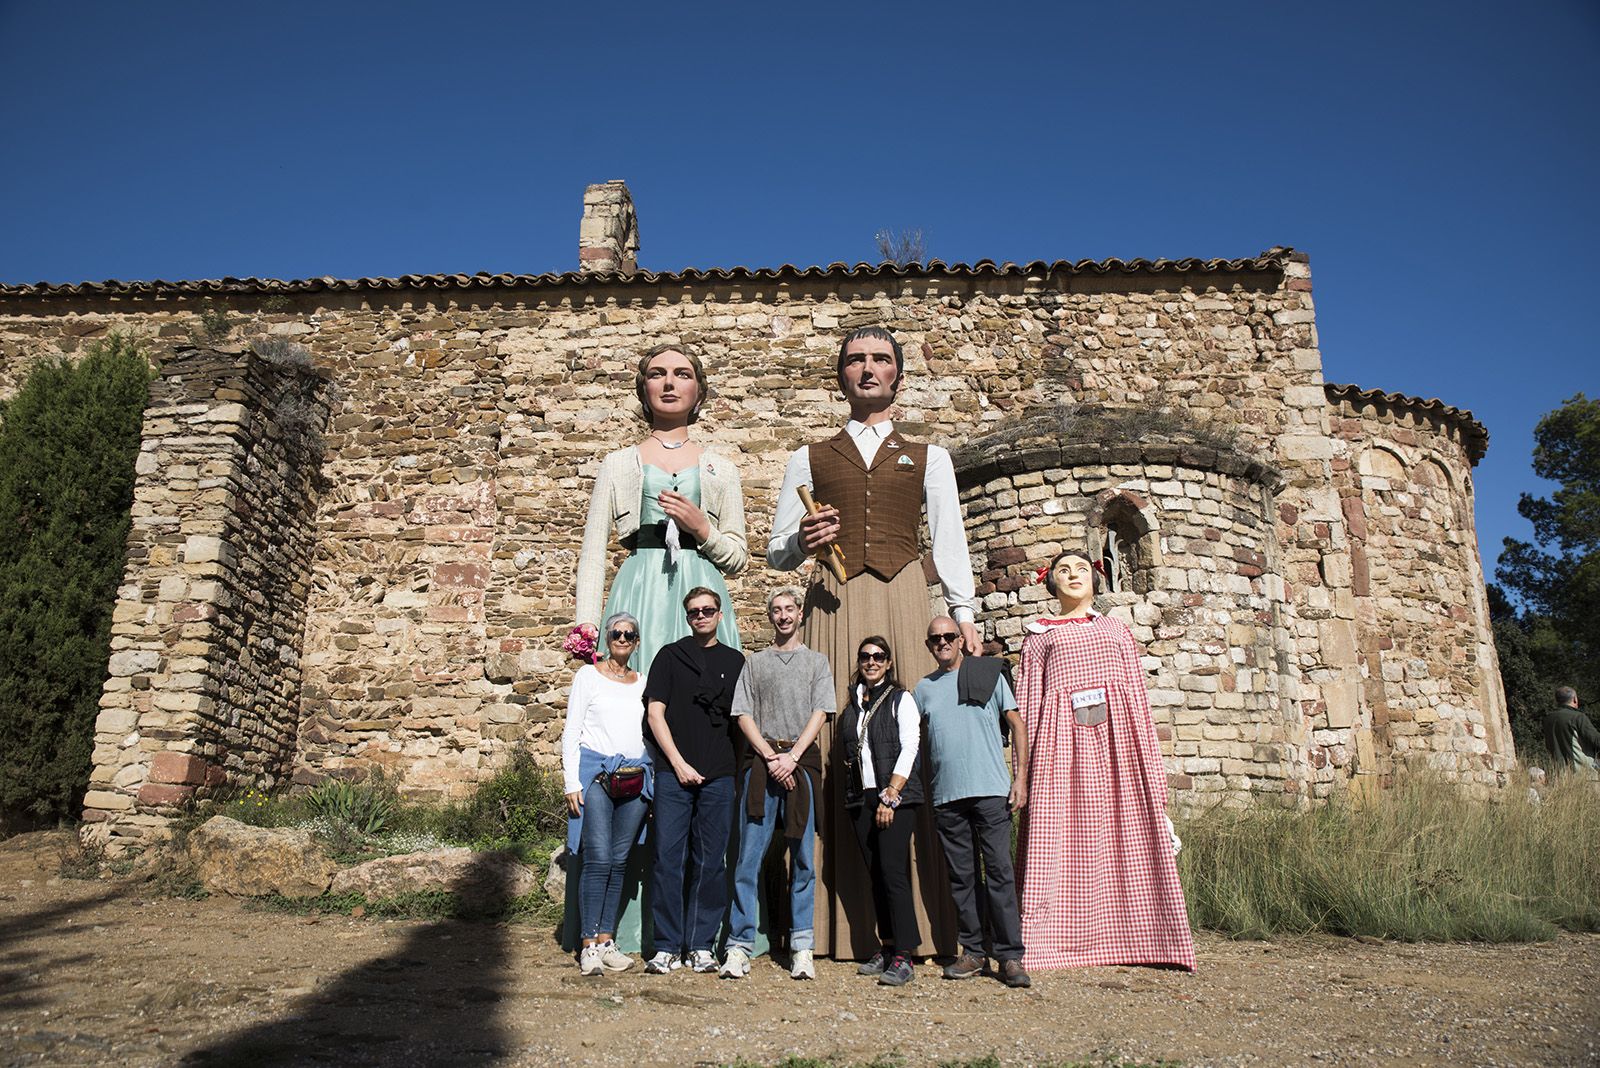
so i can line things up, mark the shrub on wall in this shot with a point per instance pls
(68, 441)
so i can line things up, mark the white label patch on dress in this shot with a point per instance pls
(1089, 707)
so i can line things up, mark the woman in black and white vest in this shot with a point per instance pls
(878, 758)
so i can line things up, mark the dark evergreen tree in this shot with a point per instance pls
(1547, 631)
(68, 441)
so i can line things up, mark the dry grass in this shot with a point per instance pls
(1420, 862)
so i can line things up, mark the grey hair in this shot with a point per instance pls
(1565, 695)
(791, 592)
(613, 619)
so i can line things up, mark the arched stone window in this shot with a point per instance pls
(1124, 541)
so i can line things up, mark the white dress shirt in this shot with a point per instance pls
(951, 561)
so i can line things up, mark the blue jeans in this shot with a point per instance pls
(689, 889)
(754, 838)
(609, 831)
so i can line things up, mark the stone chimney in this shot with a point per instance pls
(608, 235)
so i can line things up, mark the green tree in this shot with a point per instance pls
(1547, 612)
(68, 441)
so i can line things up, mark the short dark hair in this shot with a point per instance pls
(883, 643)
(880, 334)
(702, 591)
(1565, 695)
(1082, 554)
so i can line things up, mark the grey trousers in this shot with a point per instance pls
(967, 827)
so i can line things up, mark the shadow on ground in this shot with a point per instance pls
(433, 1001)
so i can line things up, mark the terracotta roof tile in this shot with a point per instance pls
(1270, 260)
(1474, 435)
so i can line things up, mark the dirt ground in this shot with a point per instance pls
(93, 973)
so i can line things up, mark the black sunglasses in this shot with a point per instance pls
(941, 639)
(624, 635)
(875, 657)
(701, 612)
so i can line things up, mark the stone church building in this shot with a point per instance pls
(359, 503)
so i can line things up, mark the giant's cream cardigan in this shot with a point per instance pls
(616, 501)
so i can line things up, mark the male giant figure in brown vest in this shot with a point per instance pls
(873, 487)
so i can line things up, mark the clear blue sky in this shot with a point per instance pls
(1437, 160)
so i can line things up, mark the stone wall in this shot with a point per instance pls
(203, 686)
(1202, 596)
(1430, 676)
(473, 412)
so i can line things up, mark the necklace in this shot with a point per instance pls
(608, 669)
(669, 445)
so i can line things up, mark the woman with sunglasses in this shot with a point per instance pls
(877, 754)
(676, 506)
(602, 747)
(1096, 854)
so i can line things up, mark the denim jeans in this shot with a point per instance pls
(690, 883)
(755, 836)
(609, 831)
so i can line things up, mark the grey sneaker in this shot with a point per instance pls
(589, 961)
(898, 972)
(662, 963)
(801, 965)
(613, 959)
(702, 960)
(736, 965)
(874, 964)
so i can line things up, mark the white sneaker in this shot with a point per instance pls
(589, 962)
(801, 965)
(662, 963)
(736, 965)
(613, 959)
(702, 960)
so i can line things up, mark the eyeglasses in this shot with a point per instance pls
(703, 612)
(624, 636)
(943, 639)
(867, 656)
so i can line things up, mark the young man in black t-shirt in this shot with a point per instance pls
(688, 700)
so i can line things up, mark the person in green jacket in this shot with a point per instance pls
(1569, 735)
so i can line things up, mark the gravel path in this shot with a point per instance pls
(90, 973)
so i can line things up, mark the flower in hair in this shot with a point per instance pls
(1039, 575)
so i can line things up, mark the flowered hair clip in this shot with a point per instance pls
(581, 644)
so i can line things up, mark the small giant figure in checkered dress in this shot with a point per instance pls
(1097, 856)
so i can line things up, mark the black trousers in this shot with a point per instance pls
(887, 852)
(966, 828)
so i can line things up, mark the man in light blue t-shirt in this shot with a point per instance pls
(974, 795)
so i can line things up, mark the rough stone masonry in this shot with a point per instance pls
(1298, 558)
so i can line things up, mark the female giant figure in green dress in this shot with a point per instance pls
(679, 510)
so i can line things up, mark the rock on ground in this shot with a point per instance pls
(480, 880)
(234, 858)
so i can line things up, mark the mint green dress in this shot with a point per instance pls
(652, 589)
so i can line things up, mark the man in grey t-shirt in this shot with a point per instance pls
(783, 695)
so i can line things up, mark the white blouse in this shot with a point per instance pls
(604, 715)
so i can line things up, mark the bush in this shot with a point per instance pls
(523, 808)
(1421, 861)
(68, 441)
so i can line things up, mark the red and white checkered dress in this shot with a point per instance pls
(1099, 881)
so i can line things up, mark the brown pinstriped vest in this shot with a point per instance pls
(880, 508)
